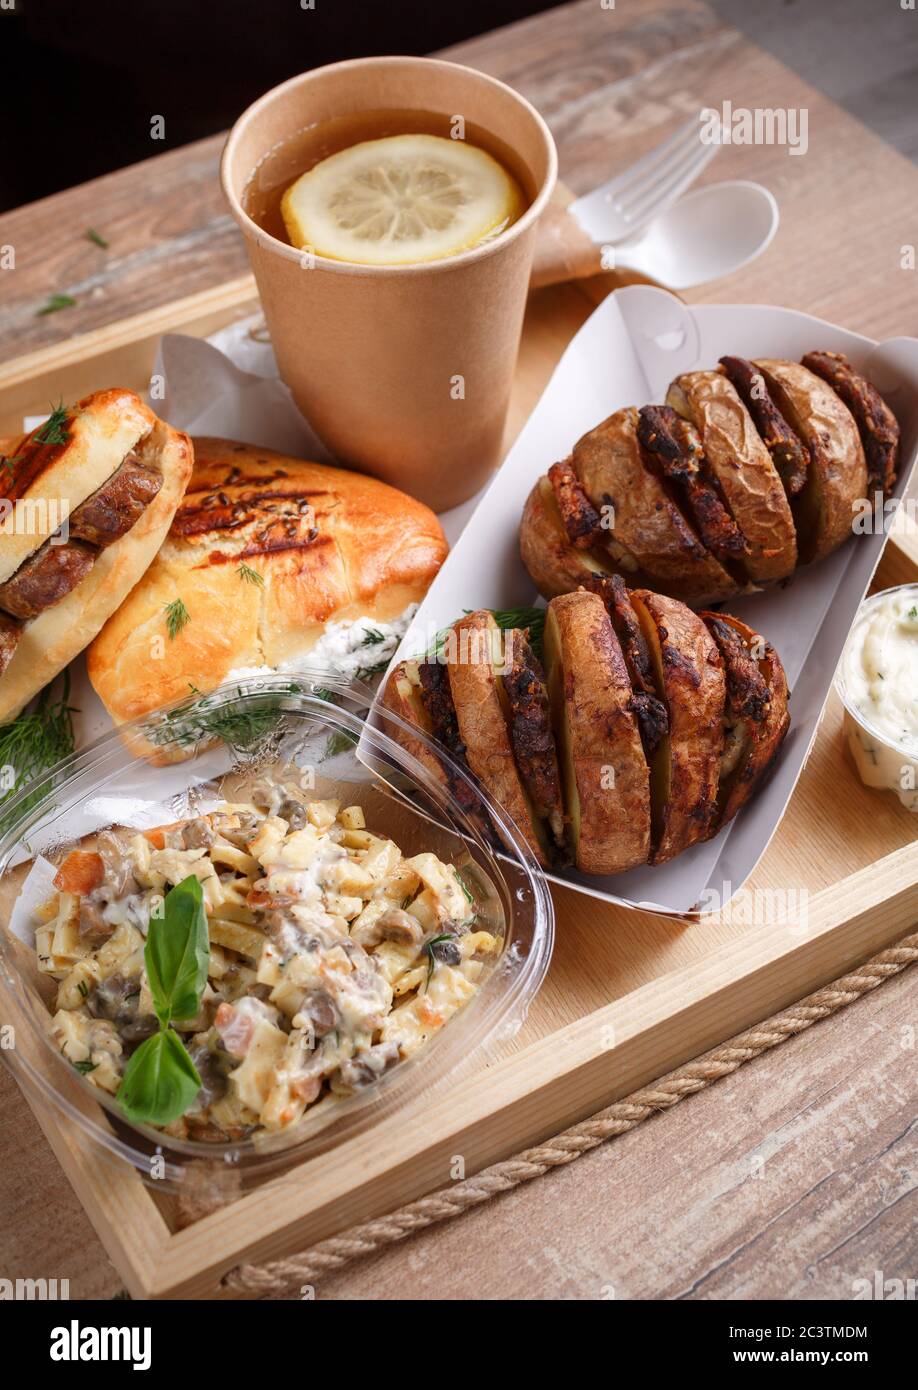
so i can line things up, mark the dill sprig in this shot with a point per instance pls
(250, 576)
(177, 616)
(199, 719)
(531, 618)
(36, 741)
(97, 240)
(242, 728)
(55, 302)
(431, 958)
(53, 431)
(372, 637)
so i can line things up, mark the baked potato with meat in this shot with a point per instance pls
(837, 473)
(604, 771)
(745, 472)
(685, 768)
(743, 469)
(418, 693)
(648, 540)
(557, 565)
(476, 664)
(650, 726)
(755, 717)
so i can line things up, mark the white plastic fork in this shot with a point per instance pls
(619, 209)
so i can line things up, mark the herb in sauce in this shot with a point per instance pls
(431, 956)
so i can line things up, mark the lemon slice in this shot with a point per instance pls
(401, 199)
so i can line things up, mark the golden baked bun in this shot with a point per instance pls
(113, 474)
(264, 551)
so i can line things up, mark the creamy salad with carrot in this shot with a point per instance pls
(223, 975)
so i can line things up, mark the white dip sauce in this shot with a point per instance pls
(362, 647)
(880, 679)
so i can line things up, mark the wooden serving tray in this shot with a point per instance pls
(628, 995)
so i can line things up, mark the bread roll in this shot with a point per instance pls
(106, 436)
(264, 551)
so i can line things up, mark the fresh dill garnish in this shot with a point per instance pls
(250, 576)
(177, 616)
(243, 728)
(531, 618)
(53, 431)
(200, 719)
(83, 987)
(913, 612)
(431, 958)
(55, 302)
(36, 741)
(85, 1067)
(372, 637)
(97, 240)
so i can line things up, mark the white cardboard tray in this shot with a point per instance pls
(626, 353)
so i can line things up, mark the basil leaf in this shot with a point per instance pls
(177, 953)
(160, 1081)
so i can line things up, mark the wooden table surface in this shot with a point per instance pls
(797, 1175)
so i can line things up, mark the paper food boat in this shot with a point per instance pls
(627, 353)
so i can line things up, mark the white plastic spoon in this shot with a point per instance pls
(707, 234)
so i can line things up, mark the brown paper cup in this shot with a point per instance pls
(404, 371)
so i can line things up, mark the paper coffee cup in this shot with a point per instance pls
(404, 371)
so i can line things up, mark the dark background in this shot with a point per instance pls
(80, 79)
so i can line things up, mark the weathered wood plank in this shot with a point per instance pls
(790, 1180)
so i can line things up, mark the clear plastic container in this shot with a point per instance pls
(881, 762)
(316, 722)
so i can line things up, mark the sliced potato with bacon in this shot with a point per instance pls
(743, 468)
(402, 696)
(649, 539)
(837, 474)
(476, 660)
(756, 716)
(556, 565)
(650, 726)
(604, 772)
(685, 768)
